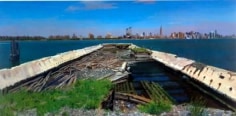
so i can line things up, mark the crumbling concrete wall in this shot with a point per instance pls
(220, 80)
(171, 60)
(9, 77)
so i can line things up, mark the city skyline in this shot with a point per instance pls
(103, 17)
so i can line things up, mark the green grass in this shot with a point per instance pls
(197, 106)
(161, 101)
(140, 50)
(155, 107)
(87, 94)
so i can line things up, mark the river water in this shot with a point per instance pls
(216, 52)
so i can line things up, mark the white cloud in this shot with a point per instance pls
(91, 5)
(146, 1)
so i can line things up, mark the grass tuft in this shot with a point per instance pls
(155, 107)
(197, 106)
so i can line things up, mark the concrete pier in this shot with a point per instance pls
(220, 80)
(9, 77)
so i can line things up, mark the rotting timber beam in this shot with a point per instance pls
(155, 92)
(121, 80)
(125, 87)
(132, 98)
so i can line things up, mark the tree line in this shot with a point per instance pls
(22, 38)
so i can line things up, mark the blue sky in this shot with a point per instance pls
(101, 17)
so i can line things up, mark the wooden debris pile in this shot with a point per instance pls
(101, 63)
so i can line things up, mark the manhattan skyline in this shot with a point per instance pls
(46, 18)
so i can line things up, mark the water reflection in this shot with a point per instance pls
(15, 63)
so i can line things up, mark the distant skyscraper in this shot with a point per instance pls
(150, 34)
(215, 34)
(90, 36)
(211, 35)
(128, 32)
(144, 35)
(161, 31)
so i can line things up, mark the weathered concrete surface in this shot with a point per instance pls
(171, 60)
(9, 77)
(221, 80)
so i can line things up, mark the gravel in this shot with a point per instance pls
(97, 112)
(182, 110)
(178, 110)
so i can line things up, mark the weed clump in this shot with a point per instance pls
(197, 106)
(140, 50)
(155, 107)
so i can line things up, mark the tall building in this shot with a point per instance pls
(108, 36)
(150, 35)
(215, 34)
(144, 35)
(211, 35)
(128, 32)
(161, 31)
(74, 36)
(180, 35)
(90, 36)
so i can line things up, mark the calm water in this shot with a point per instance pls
(218, 52)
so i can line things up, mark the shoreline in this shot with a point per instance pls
(112, 39)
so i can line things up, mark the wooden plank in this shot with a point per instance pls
(127, 96)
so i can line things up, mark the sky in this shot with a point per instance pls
(46, 18)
